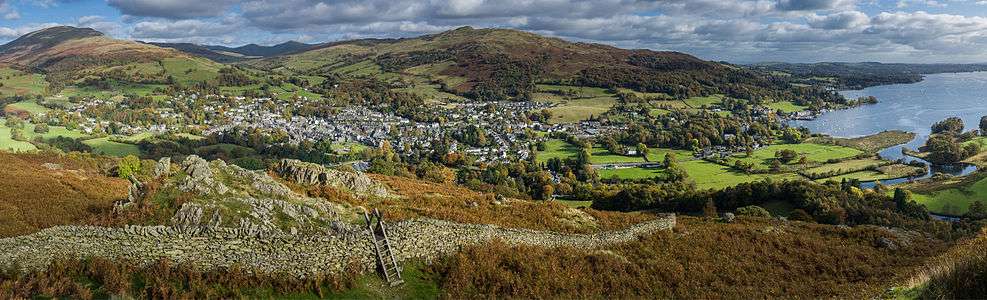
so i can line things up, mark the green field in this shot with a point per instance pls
(116, 89)
(576, 203)
(28, 106)
(847, 166)
(431, 93)
(574, 91)
(28, 131)
(14, 82)
(190, 70)
(980, 140)
(870, 143)
(575, 103)
(350, 147)
(954, 201)
(859, 175)
(105, 146)
(562, 150)
(709, 175)
(763, 156)
(786, 107)
(659, 112)
(646, 95)
(699, 102)
(631, 173)
(556, 149)
(9, 144)
(575, 110)
(53, 131)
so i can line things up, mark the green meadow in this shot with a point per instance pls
(786, 106)
(955, 200)
(105, 146)
(762, 157)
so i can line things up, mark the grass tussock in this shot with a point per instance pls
(40, 190)
(960, 273)
(700, 259)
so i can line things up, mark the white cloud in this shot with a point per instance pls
(840, 20)
(13, 33)
(176, 9)
(8, 12)
(745, 30)
(813, 5)
(170, 30)
(101, 24)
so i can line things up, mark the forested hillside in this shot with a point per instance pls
(491, 64)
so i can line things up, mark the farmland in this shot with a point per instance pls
(762, 157)
(870, 143)
(575, 103)
(631, 173)
(951, 197)
(28, 106)
(847, 166)
(709, 175)
(786, 107)
(561, 149)
(8, 143)
(704, 102)
(106, 146)
(14, 82)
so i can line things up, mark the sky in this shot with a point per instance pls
(740, 31)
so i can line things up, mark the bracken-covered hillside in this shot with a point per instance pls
(74, 53)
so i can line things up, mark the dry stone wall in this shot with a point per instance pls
(288, 254)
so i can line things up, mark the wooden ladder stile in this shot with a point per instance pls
(382, 248)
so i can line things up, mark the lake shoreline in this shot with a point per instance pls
(909, 107)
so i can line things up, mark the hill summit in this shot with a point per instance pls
(76, 52)
(492, 63)
(46, 38)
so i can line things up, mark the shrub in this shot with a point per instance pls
(753, 211)
(128, 166)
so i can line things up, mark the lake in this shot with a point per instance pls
(910, 107)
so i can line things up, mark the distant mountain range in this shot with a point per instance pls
(482, 64)
(225, 54)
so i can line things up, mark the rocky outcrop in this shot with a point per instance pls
(298, 255)
(233, 197)
(162, 167)
(200, 176)
(313, 174)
